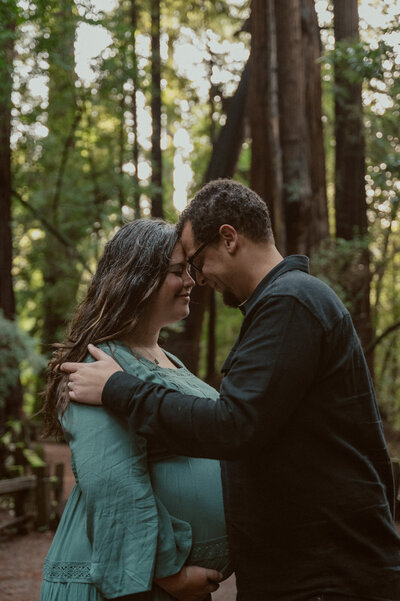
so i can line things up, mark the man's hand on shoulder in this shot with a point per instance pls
(192, 583)
(87, 380)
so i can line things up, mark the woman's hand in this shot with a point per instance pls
(87, 380)
(192, 583)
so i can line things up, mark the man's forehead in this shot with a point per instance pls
(187, 239)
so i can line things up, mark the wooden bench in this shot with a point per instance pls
(19, 489)
(42, 492)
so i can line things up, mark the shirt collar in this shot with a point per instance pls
(300, 262)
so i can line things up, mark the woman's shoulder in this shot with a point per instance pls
(123, 355)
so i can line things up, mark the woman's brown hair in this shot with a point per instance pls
(133, 266)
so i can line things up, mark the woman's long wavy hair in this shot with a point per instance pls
(134, 265)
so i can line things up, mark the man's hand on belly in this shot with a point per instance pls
(192, 583)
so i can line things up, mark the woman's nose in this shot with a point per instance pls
(188, 280)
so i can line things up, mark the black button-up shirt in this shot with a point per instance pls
(308, 487)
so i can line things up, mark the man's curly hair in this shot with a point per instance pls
(226, 201)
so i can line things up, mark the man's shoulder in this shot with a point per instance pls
(310, 292)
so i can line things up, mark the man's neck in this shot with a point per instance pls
(261, 259)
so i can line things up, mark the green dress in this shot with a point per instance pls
(136, 512)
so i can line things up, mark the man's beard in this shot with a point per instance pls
(230, 299)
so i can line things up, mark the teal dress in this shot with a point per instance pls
(136, 512)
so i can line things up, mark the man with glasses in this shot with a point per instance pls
(308, 487)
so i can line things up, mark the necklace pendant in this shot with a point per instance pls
(156, 361)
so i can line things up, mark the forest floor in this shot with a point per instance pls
(21, 557)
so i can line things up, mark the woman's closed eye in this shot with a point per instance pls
(179, 270)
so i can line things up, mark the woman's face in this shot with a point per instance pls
(171, 302)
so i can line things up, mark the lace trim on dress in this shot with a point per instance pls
(67, 571)
(79, 571)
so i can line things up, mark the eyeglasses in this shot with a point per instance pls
(192, 266)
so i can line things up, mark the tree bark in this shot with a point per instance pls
(293, 125)
(226, 150)
(318, 227)
(350, 198)
(8, 12)
(135, 82)
(156, 157)
(350, 203)
(266, 156)
(7, 300)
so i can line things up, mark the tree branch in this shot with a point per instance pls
(64, 157)
(56, 233)
(379, 339)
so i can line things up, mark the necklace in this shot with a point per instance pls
(146, 352)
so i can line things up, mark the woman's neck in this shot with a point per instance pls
(146, 338)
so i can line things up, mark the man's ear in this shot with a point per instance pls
(229, 237)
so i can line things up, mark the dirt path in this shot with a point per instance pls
(21, 557)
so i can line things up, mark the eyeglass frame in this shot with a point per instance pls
(194, 268)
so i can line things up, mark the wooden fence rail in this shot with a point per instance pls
(37, 498)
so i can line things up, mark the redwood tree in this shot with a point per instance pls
(135, 83)
(318, 228)
(266, 155)
(156, 157)
(293, 125)
(8, 17)
(350, 197)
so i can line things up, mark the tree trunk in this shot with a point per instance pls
(156, 157)
(121, 155)
(319, 225)
(7, 300)
(350, 199)
(135, 82)
(293, 125)
(8, 12)
(266, 157)
(226, 150)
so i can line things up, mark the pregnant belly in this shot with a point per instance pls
(190, 488)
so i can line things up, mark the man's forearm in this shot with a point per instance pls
(188, 425)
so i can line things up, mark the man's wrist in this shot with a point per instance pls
(117, 392)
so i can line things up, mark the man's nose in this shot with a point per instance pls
(200, 279)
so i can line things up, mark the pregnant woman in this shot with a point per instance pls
(137, 518)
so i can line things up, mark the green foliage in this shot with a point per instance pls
(374, 63)
(15, 451)
(17, 351)
(339, 263)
